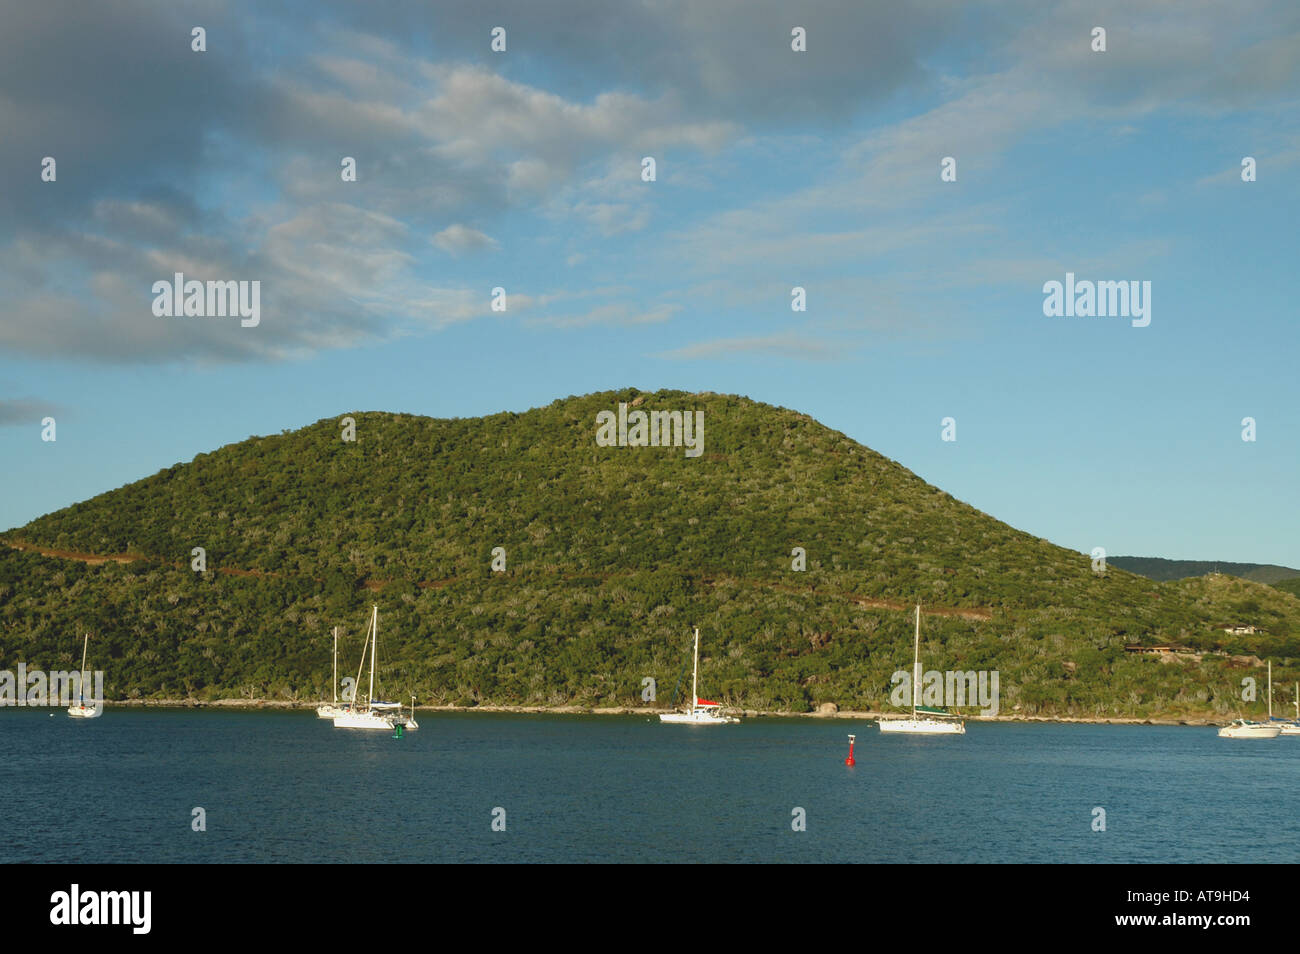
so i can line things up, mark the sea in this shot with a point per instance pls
(200, 785)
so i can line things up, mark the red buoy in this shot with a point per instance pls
(850, 760)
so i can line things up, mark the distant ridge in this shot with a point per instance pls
(1156, 568)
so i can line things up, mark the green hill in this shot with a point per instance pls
(1291, 585)
(1155, 568)
(612, 553)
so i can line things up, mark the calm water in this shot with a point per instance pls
(290, 787)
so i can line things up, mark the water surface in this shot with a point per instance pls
(288, 787)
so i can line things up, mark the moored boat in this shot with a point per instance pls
(925, 720)
(80, 710)
(700, 711)
(1246, 729)
(367, 714)
(1241, 729)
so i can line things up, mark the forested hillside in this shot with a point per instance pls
(611, 554)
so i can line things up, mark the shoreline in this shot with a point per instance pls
(847, 714)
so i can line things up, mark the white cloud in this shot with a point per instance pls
(460, 238)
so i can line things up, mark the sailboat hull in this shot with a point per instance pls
(84, 712)
(362, 720)
(327, 711)
(698, 717)
(922, 726)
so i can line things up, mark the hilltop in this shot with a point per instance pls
(611, 555)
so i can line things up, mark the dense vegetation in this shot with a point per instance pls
(1291, 586)
(1155, 568)
(612, 553)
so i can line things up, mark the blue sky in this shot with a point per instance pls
(775, 168)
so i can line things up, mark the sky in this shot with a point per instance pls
(775, 168)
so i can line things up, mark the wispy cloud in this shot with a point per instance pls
(543, 158)
(26, 412)
(460, 238)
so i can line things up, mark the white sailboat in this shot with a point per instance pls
(701, 711)
(1245, 729)
(324, 711)
(928, 724)
(81, 710)
(366, 715)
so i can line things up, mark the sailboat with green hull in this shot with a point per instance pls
(925, 719)
(367, 714)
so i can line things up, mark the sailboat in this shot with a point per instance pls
(701, 711)
(1244, 729)
(81, 710)
(367, 715)
(324, 711)
(928, 724)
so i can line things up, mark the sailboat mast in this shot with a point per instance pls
(374, 649)
(916, 661)
(336, 666)
(356, 686)
(1297, 701)
(1270, 690)
(81, 690)
(695, 672)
